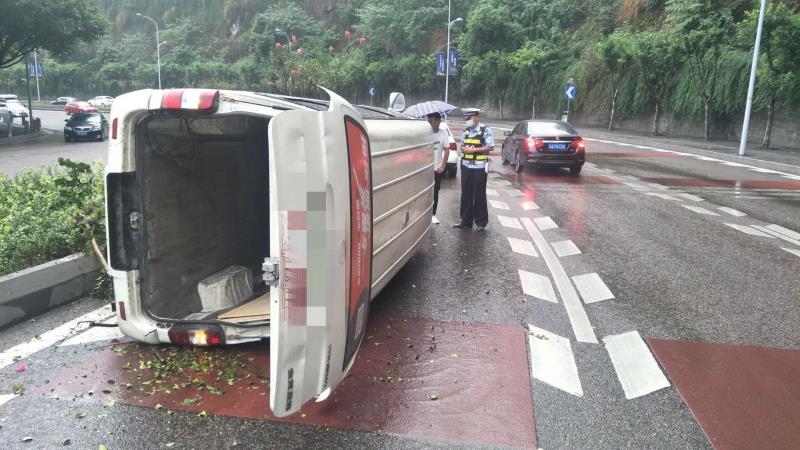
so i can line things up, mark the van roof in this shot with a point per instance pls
(367, 112)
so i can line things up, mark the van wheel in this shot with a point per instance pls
(517, 164)
(576, 169)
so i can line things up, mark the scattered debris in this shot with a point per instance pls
(66, 442)
(27, 439)
(80, 415)
(18, 389)
(21, 366)
(433, 397)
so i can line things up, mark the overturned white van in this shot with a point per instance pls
(236, 216)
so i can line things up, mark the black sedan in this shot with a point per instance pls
(544, 143)
(90, 126)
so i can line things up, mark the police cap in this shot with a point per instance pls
(469, 112)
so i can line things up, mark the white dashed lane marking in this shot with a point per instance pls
(731, 211)
(793, 251)
(592, 288)
(95, 334)
(497, 204)
(545, 223)
(664, 196)
(510, 222)
(552, 361)
(529, 206)
(749, 230)
(491, 192)
(700, 210)
(784, 231)
(776, 234)
(581, 325)
(522, 246)
(565, 248)
(691, 197)
(537, 286)
(5, 398)
(637, 370)
(51, 337)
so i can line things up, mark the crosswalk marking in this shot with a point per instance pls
(545, 223)
(731, 211)
(537, 286)
(528, 206)
(700, 210)
(592, 288)
(522, 246)
(565, 248)
(748, 230)
(510, 222)
(553, 362)
(637, 370)
(497, 204)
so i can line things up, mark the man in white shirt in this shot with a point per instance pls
(441, 151)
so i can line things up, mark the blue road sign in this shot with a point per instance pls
(371, 90)
(441, 60)
(35, 70)
(569, 92)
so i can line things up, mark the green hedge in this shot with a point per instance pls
(49, 214)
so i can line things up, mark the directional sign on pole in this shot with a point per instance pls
(371, 90)
(569, 92)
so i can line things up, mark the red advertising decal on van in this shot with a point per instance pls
(359, 265)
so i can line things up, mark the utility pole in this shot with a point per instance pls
(751, 87)
(28, 86)
(158, 47)
(36, 74)
(447, 56)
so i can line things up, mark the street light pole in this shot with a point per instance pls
(751, 87)
(447, 55)
(158, 47)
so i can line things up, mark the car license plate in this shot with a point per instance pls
(557, 147)
(80, 133)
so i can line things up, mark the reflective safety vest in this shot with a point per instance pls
(478, 140)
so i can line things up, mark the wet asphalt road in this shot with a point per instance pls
(676, 274)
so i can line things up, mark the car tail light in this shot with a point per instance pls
(203, 336)
(579, 145)
(533, 143)
(121, 309)
(190, 99)
(114, 128)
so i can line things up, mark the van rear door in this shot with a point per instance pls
(321, 208)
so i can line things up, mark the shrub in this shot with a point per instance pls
(49, 214)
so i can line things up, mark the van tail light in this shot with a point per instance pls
(114, 128)
(578, 145)
(121, 310)
(198, 336)
(190, 99)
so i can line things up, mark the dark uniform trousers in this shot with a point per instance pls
(473, 196)
(437, 183)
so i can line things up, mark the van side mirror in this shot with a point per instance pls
(397, 102)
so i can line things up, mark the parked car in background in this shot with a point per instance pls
(86, 126)
(77, 106)
(62, 100)
(101, 101)
(10, 103)
(544, 143)
(452, 159)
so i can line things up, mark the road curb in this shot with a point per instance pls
(37, 289)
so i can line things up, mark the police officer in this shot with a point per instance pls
(476, 143)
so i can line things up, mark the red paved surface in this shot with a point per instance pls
(743, 397)
(478, 373)
(744, 184)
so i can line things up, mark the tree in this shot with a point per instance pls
(53, 25)
(705, 27)
(657, 56)
(780, 65)
(616, 54)
(534, 57)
